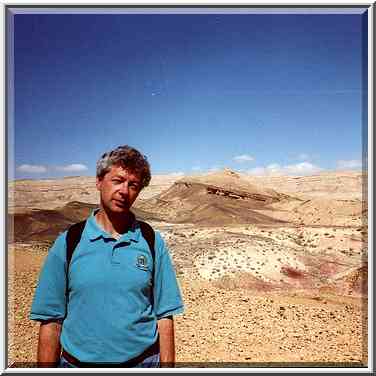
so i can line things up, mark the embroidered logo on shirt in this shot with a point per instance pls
(142, 262)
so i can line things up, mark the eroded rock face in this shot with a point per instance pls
(235, 195)
(229, 182)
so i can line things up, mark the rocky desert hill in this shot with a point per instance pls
(342, 185)
(230, 197)
(272, 269)
(214, 199)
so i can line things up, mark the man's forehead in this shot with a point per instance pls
(124, 171)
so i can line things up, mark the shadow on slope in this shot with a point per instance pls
(46, 225)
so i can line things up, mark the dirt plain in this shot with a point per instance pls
(283, 285)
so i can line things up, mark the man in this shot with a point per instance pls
(116, 304)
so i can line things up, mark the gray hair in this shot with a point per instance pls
(127, 157)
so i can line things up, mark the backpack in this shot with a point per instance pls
(74, 236)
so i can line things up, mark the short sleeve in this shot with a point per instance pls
(49, 301)
(167, 296)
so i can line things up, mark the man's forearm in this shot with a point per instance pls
(49, 344)
(167, 341)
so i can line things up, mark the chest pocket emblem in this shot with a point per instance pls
(142, 262)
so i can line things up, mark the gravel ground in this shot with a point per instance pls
(222, 323)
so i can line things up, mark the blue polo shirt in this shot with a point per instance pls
(109, 314)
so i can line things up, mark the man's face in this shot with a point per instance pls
(119, 189)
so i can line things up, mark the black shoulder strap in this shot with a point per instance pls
(149, 235)
(73, 238)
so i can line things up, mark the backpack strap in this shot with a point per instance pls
(73, 238)
(149, 235)
(74, 234)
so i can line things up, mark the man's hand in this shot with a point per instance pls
(167, 341)
(49, 344)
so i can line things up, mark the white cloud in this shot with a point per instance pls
(176, 174)
(353, 164)
(32, 169)
(303, 168)
(274, 169)
(257, 171)
(75, 167)
(196, 168)
(243, 158)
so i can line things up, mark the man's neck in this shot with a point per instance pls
(116, 225)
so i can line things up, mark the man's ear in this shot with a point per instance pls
(98, 182)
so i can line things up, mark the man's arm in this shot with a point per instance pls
(49, 344)
(167, 341)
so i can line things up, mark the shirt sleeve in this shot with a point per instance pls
(167, 297)
(49, 301)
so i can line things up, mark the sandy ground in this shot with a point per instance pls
(224, 321)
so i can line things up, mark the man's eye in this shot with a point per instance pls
(116, 181)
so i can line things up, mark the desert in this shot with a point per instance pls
(273, 270)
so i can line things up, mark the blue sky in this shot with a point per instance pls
(259, 93)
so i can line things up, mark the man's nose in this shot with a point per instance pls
(124, 189)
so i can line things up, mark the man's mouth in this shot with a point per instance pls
(121, 203)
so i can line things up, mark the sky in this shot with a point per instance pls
(262, 94)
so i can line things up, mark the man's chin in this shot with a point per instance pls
(117, 207)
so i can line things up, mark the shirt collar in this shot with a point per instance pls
(95, 231)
